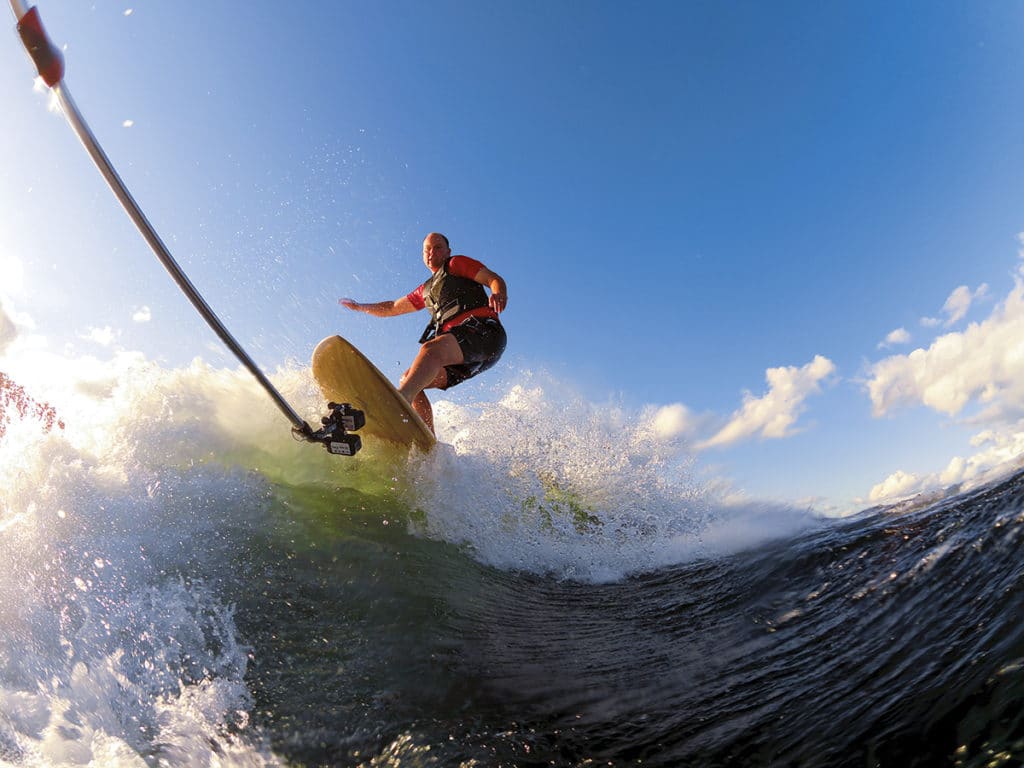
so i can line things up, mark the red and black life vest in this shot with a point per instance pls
(447, 296)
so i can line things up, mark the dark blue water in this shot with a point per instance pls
(894, 639)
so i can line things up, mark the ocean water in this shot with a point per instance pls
(556, 585)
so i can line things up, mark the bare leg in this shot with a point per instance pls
(429, 363)
(427, 371)
(421, 405)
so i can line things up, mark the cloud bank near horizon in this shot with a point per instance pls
(975, 375)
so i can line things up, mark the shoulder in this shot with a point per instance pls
(415, 297)
(464, 266)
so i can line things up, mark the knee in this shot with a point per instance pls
(434, 352)
(434, 346)
(444, 349)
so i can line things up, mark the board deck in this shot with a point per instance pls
(345, 375)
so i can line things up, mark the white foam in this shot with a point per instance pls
(546, 482)
(114, 649)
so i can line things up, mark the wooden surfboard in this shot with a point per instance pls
(345, 375)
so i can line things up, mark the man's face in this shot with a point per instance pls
(435, 252)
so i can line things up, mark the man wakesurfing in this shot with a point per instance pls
(464, 337)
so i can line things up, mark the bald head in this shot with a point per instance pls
(435, 250)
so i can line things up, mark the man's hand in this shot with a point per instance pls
(499, 291)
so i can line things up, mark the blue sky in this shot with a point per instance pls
(718, 209)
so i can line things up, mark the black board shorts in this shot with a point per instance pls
(482, 340)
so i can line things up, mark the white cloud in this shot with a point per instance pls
(1001, 455)
(142, 315)
(976, 374)
(959, 302)
(773, 414)
(899, 336)
(985, 362)
(930, 322)
(103, 336)
(897, 485)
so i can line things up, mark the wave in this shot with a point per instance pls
(558, 581)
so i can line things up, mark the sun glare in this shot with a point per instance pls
(12, 277)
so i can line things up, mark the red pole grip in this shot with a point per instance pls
(47, 58)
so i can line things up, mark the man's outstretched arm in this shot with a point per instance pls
(400, 306)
